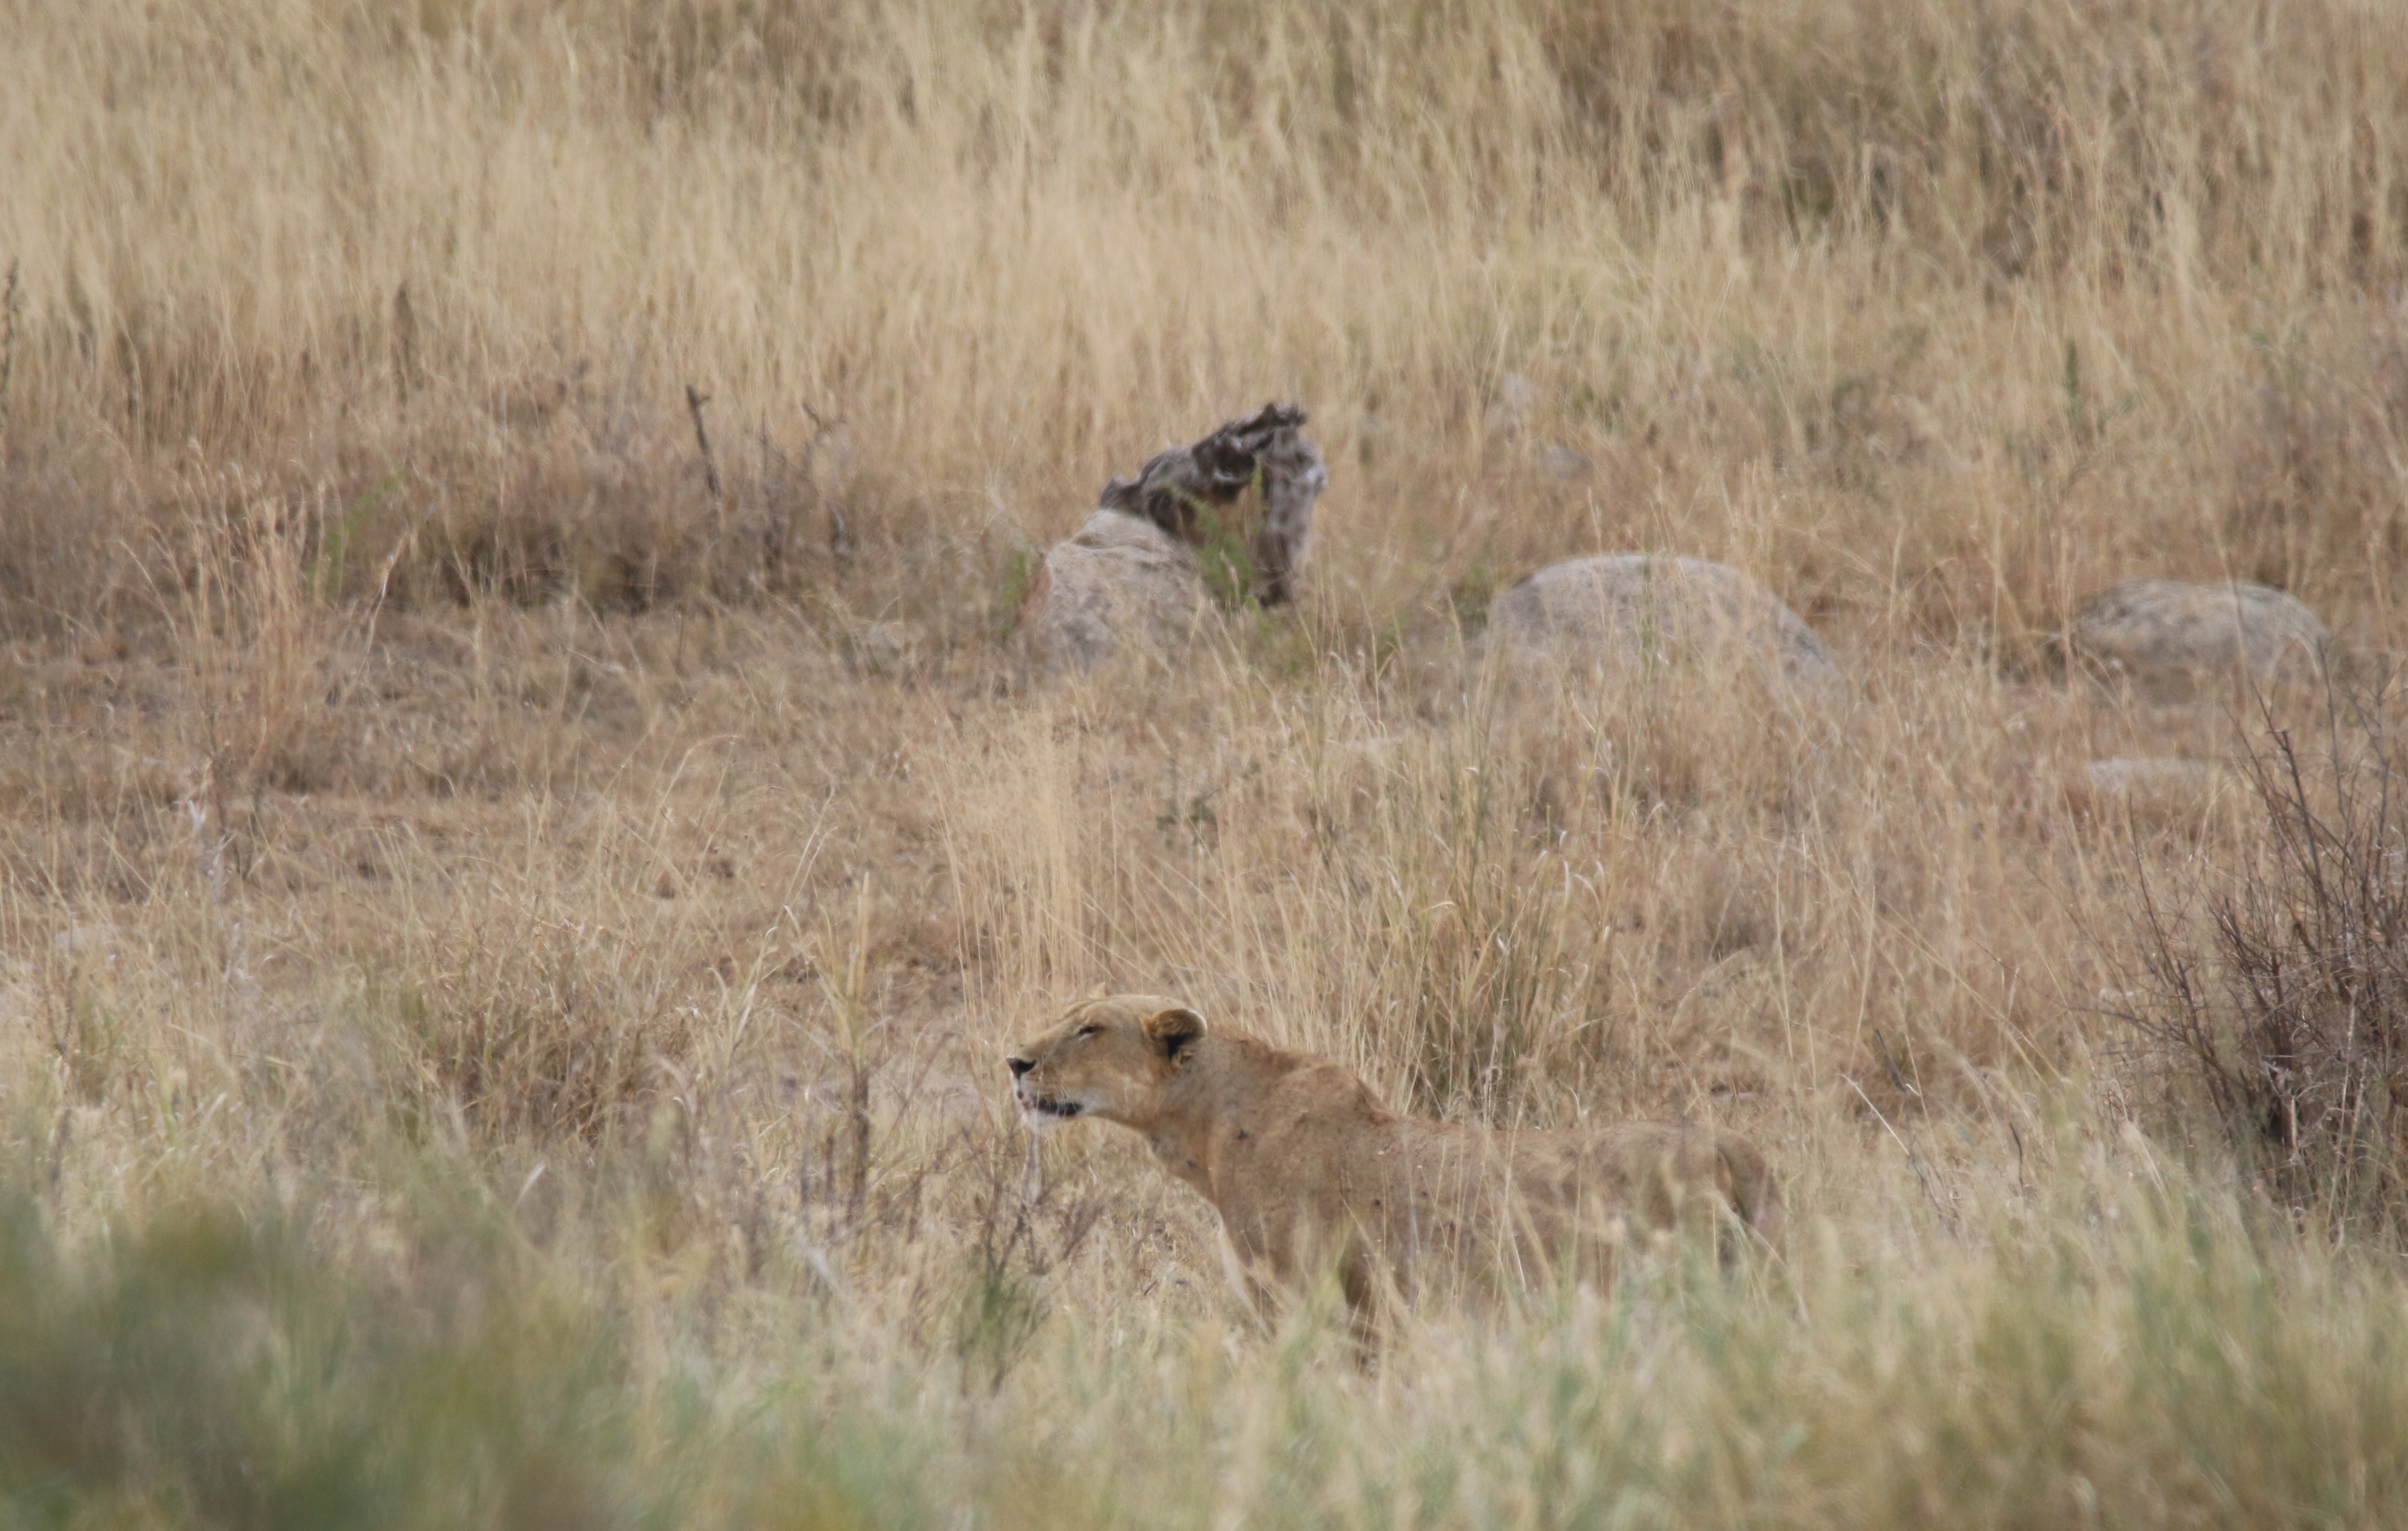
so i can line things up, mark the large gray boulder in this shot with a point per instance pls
(1632, 610)
(1120, 580)
(2168, 634)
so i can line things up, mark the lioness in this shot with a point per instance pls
(1310, 1172)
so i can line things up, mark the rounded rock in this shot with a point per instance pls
(1635, 610)
(2167, 634)
(1121, 581)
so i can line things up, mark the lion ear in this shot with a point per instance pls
(1101, 991)
(1174, 1029)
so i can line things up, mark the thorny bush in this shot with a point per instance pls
(2289, 1009)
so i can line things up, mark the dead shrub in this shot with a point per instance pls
(2287, 1015)
(529, 1035)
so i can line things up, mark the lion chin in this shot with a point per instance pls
(1313, 1175)
(1041, 1114)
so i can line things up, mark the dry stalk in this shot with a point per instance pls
(129, 362)
(695, 400)
(847, 994)
(827, 439)
(405, 345)
(9, 301)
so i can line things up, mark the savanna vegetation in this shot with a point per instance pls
(523, 833)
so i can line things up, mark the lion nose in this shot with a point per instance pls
(1020, 1066)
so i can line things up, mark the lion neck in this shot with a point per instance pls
(1223, 1082)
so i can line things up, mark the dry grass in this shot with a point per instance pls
(507, 946)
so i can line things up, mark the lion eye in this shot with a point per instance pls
(1089, 1030)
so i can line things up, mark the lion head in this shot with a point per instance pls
(1109, 1057)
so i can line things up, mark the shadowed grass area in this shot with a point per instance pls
(211, 1369)
(2161, 1367)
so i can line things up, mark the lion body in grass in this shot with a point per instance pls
(1312, 1175)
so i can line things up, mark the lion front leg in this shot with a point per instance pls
(1250, 1275)
(1272, 1269)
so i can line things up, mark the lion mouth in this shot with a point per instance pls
(1061, 1110)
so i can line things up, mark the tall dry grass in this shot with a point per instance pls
(1941, 308)
(506, 922)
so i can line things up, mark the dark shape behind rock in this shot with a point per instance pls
(2166, 635)
(1130, 575)
(1267, 448)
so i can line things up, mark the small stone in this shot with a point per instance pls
(2147, 776)
(2163, 787)
(1518, 399)
(884, 651)
(1565, 464)
(88, 938)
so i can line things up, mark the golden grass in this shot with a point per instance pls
(508, 936)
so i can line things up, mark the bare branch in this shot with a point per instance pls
(693, 402)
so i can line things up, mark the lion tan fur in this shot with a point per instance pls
(1310, 1172)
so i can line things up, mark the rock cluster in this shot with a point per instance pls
(1131, 582)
